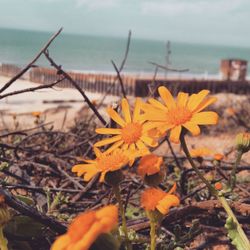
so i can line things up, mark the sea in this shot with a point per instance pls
(94, 53)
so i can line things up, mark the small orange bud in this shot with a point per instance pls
(218, 157)
(218, 186)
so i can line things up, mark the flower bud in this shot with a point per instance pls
(114, 178)
(243, 142)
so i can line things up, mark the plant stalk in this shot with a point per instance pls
(232, 179)
(221, 198)
(117, 194)
(3, 240)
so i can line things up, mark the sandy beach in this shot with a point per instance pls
(46, 101)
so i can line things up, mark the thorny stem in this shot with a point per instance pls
(3, 240)
(220, 197)
(232, 179)
(117, 193)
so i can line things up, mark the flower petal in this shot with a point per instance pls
(126, 110)
(115, 117)
(108, 131)
(167, 202)
(114, 146)
(108, 141)
(192, 127)
(175, 134)
(62, 242)
(205, 118)
(196, 99)
(157, 104)
(137, 109)
(154, 114)
(182, 99)
(205, 103)
(149, 141)
(141, 145)
(166, 97)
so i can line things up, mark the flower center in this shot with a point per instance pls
(178, 116)
(131, 132)
(113, 161)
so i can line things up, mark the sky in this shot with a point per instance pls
(223, 22)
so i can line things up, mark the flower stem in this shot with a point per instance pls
(117, 193)
(230, 213)
(3, 240)
(152, 231)
(221, 198)
(197, 171)
(232, 179)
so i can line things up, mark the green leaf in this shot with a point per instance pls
(235, 236)
(27, 200)
(24, 226)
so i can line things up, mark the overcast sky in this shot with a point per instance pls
(202, 21)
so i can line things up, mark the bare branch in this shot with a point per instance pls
(67, 76)
(167, 68)
(120, 79)
(32, 89)
(28, 66)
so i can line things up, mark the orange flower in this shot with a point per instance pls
(218, 186)
(218, 156)
(155, 198)
(201, 152)
(105, 162)
(36, 114)
(149, 165)
(184, 112)
(86, 228)
(133, 131)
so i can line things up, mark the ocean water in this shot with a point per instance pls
(90, 53)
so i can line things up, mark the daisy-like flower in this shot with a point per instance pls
(184, 112)
(201, 152)
(86, 228)
(149, 165)
(155, 199)
(132, 132)
(104, 163)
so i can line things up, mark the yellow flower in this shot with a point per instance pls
(155, 199)
(133, 131)
(36, 114)
(86, 228)
(104, 163)
(183, 112)
(149, 165)
(201, 152)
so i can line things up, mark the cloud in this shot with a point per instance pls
(97, 4)
(174, 8)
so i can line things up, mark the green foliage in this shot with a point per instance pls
(105, 242)
(235, 236)
(134, 212)
(23, 226)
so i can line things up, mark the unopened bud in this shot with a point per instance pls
(243, 142)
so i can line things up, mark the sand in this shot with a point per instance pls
(23, 105)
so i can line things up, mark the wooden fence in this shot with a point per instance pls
(103, 83)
